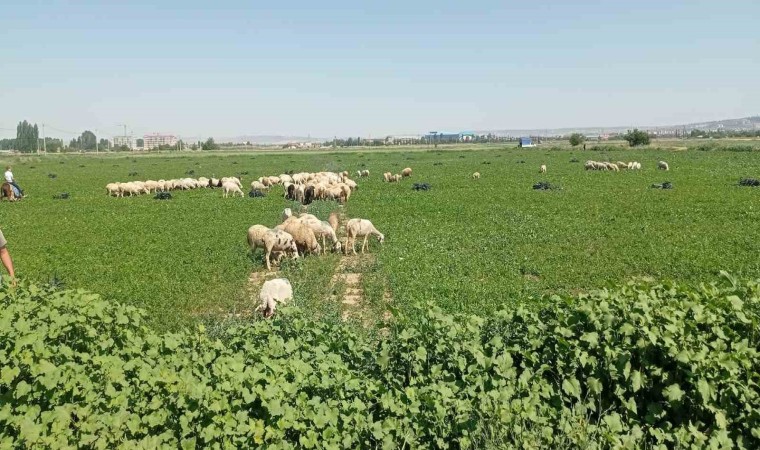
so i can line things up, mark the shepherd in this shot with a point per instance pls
(18, 193)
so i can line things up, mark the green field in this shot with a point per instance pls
(471, 246)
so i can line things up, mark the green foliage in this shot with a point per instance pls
(640, 366)
(210, 144)
(577, 139)
(27, 136)
(637, 137)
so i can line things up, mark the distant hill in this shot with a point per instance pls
(745, 123)
(270, 139)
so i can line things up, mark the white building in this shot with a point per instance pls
(154, 140)
(124, 141)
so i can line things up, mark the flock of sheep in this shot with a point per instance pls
(228, 184)
(299, 235)
(615, 167)
(391, 178)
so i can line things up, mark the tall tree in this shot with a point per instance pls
(87, 140)
(26, 137)
(103, 144)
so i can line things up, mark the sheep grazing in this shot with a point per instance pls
(613, 167)
(286, 213)
(358, 228)
(272, 241)
(476, 176)
(232, 187)
(407, 172)
(387, 177)
(272, 292)
(542, 169)
(363, 173)
(258, 186)
(302, 234)
(662, 165)
(321, 229)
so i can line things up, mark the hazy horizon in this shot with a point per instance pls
(347, 69)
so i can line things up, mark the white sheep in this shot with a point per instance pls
(258, 186)
(230, 186)
(113, 189)
(358, 228)
(542, 169)
(321, 229)
(663, 165)
(302, 234)
(272, 241)
(476, 176)
(272, 292)
(407, 172)
(286, 213)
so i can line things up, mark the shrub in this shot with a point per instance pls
(639, 366)
(637, 137)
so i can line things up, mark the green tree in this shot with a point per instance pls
(87, 140)
(577, 139)
(209, 144)
(26, 137)
(637, 137)
(103, 144)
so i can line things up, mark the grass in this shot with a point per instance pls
(466, 245)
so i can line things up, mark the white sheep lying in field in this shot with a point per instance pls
(476, 176)
(272, 292)
(542, 169)
(663, 165)
(358, 228)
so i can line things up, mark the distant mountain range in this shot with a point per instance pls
(746, 123)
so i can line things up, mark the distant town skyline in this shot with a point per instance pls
(342, 68)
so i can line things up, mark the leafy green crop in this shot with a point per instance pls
(663, 366)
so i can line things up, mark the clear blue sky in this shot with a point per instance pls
(226, 68)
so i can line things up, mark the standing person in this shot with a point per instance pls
(5, 256)
(9, 178)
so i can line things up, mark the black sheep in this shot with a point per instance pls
(308, 195)
(291, 194)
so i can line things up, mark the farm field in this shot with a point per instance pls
(466, 245)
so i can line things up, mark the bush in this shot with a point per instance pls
(638, 366)
(577, 139)
(637, 137)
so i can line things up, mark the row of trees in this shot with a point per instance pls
(634, 137)
(720, 134)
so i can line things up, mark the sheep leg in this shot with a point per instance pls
(364, 244)
(269, 252)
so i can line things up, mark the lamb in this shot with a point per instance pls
(358, 228)
(590, 165)
(663, 166)
(232, 187)
(407, 172)
(542, 169)
(387, 176)
(363, 173)
(272, 292)
(476, 176)
(303, 236)
(271, 240)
